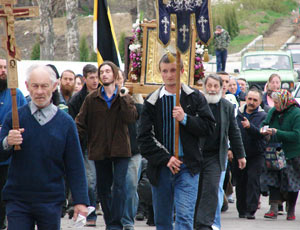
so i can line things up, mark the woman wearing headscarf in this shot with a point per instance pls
(235, 89)
(284, 127)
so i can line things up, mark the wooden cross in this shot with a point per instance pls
(9, 13)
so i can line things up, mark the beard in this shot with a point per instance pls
(67, 90)
(3, 84)
(212, 97)
(108, 83)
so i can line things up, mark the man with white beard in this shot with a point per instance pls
(215, 152)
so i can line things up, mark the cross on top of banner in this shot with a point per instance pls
(183, 9)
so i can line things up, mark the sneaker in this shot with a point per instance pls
(99, 211)
(270, 215)
(214, 227)
(230, 199)
(291, 216)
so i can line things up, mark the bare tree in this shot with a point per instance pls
(46, 30)
(72, 35)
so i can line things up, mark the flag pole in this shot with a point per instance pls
(178, 58)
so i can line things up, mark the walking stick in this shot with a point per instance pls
(178, 58)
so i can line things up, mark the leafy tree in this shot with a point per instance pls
(93, 57)
(122, 45)
(35, 53)
(83, 49)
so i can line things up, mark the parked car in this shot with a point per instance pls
(294, 49)
(256, 68)
(296, 93)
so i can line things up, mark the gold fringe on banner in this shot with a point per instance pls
(171, 57)
(206, 56)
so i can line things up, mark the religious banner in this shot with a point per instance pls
(185, 10)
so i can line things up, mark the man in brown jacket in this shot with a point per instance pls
(104, 118)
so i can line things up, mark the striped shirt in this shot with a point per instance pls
(168, 103)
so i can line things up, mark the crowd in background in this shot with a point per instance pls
(125, 164)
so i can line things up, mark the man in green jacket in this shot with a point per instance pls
(221, 42)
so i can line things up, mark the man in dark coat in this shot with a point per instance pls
(104, 117)
(215, 152)
(174, 181)
(91, 79)
(250, 116)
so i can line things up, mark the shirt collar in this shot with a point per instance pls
(45, 111)
(164, 92)
(104, 93)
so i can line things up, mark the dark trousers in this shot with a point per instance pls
(248, 185)
(23, 216)
(207, 200)
(221, 56)
(111, 185)
(3, 177)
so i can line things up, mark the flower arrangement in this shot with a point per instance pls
(199, 69)
(136, 51)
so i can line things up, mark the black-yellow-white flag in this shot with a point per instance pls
(105, 42)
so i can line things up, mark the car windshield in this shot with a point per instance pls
(296, 57)
(259, 62)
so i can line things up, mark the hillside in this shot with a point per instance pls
(27, 32)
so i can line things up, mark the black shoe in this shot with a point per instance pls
(250, 217)
(224, 208)
(150, 222)
(140, 216)
(150, 216)
(71, 213)
(242, 216)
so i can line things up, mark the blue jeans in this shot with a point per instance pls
(111, 186)
(132, 201)
(221, 56)
(180, 189)
(217, 221)
(91, 179)
(23, 215)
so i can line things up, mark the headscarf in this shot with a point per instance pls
(238, 90)
(286, 99)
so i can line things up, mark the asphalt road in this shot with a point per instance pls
(230, 221)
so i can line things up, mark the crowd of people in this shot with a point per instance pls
(89, 141)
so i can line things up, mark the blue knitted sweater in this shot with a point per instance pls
(36, 173)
